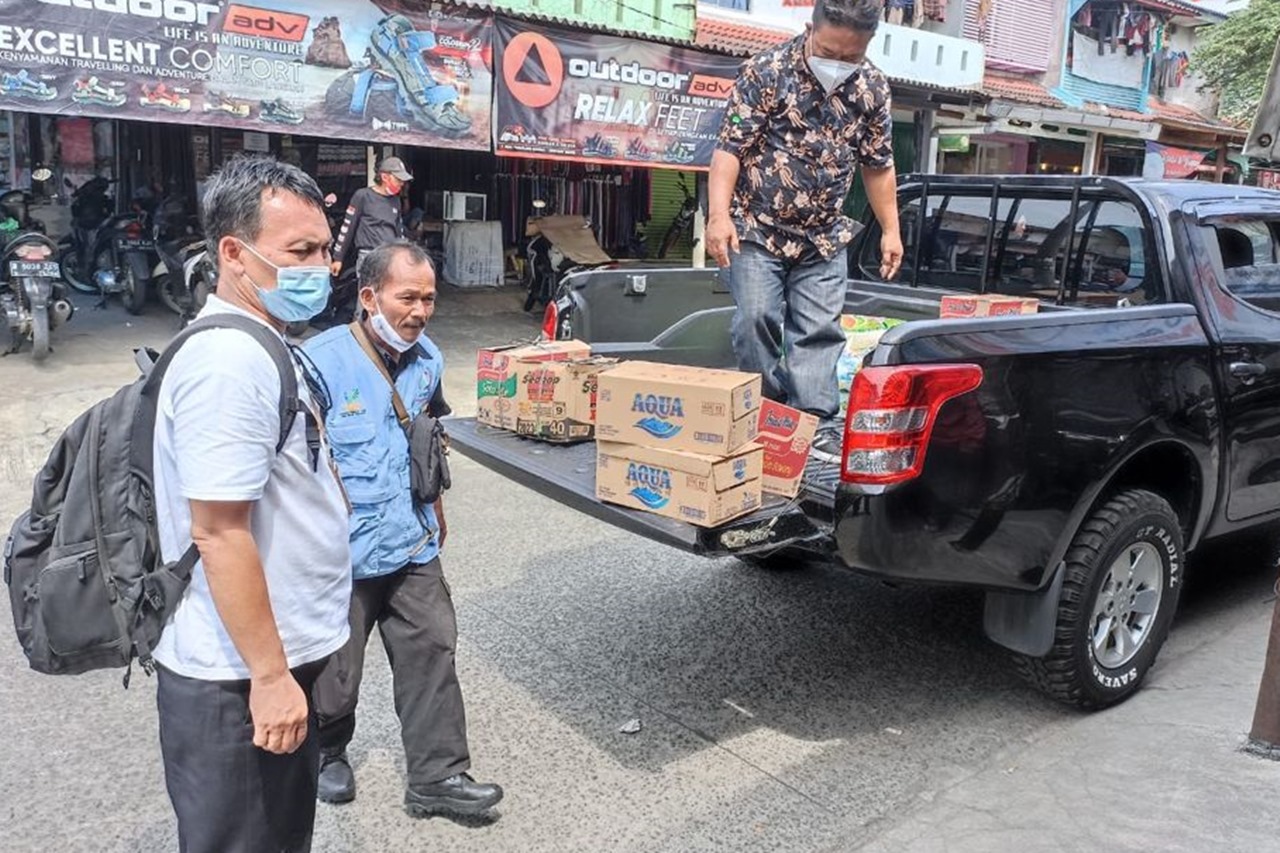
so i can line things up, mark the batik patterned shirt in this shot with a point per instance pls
(799, 147)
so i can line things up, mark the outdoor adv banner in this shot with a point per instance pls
(1165, 161)
(599, 99)
(362, 70)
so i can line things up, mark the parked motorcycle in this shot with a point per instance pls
(683, 222)
(182, 275)
(32, 296)
(110, 255)
(558, 246)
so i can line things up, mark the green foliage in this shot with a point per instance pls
(1235, 57)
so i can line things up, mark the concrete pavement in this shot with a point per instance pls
(809, 710)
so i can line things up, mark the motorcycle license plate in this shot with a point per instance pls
(133, 243)
(34, 269)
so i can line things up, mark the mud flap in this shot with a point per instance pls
(1024, 622)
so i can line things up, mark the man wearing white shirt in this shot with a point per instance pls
(267, 603)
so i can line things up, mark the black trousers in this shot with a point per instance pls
(229, 795)
(413, 611)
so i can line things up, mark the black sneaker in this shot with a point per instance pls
(828, 446)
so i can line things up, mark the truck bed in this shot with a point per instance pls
(567, 474)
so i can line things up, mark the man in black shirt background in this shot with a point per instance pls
(372, 219)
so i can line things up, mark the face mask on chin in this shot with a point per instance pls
(384, 330)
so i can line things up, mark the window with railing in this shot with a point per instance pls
(740, 5)
(1070, 249)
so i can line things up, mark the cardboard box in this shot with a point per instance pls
(693, 487)
(496, 379)
(677, 407)
(786, 434)
(988, 305)
(556, 400)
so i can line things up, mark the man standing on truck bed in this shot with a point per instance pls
(800, 117)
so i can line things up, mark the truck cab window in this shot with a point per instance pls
(1113, 265)
(1030, 238)
(1249, 260)
(951, 246)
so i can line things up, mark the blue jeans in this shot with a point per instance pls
(796, 305)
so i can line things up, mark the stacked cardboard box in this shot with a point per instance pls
(556, 400)
(679, 441)
(545, 390)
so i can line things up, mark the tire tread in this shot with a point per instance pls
(1056, 674)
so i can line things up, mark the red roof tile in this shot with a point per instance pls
(1178, 114)
(1162, 112)
(734, 38)
(1021, 89)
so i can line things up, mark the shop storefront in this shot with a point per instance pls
(490, 113)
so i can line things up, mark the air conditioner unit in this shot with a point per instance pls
(465, 206)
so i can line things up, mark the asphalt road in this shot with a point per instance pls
(805, 710)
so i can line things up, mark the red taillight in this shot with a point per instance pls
(33, 252)
(550, 321)
(133, 230)
(892, 411)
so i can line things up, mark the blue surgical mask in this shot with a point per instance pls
(300, 293)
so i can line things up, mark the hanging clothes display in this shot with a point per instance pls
(1114, 24)
(614, 200)
(934, 10)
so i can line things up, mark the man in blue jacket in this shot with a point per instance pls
(395, 545)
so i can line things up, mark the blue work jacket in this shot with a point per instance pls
(372, 452)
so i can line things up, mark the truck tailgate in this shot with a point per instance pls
(567, 474)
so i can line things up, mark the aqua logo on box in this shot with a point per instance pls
(649, 485)
(739, 469)
(660, 414)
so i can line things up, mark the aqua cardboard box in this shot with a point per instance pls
(497, 379)
(693, 487)
(676, 407)
(556, 400)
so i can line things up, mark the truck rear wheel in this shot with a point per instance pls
(1123, 578)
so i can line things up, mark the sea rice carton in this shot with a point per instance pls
(556, 400)
(693, 487)
(676, 407)
(986, 305)
(496, 379)
(786, 434)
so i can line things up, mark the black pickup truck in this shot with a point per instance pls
(1064, 462)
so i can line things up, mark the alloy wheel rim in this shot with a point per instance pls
(1125, 608)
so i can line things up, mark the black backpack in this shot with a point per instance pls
(87, 584)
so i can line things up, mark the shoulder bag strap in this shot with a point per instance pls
(362, 338)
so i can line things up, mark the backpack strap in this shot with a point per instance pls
(143, 444)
